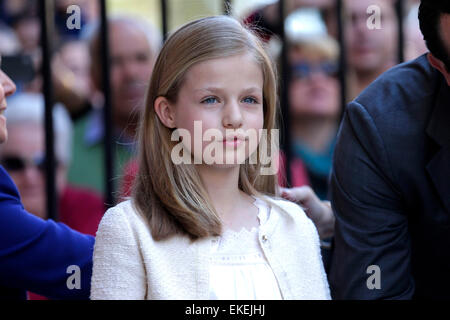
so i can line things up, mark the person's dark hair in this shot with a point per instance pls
(430, 12)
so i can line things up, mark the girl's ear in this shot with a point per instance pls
(165, 112)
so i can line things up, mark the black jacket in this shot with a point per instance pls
(391, 188)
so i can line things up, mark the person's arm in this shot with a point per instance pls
(35, 254)
(371, 229)
(118, 272)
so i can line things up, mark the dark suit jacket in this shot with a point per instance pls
(391, 188)
(35, 254)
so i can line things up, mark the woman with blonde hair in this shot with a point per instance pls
(201, 229)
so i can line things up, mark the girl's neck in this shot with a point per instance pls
(222, 185)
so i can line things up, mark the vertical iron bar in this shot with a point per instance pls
(399, 5)
(284, 95)
(164, 19)
(342, 54)
(227, 7)
(46, 10)
(107, 107)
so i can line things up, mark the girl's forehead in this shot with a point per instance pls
(240, 61)
(238, 68)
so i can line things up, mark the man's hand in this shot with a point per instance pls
(318, 211)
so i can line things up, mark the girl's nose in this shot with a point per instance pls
(232, 116)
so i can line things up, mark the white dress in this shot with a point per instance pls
(238, 267)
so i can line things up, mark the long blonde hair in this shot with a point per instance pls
(172, 198)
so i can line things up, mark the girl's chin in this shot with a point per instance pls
(220, 165)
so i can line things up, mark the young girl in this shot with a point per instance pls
(202, 230)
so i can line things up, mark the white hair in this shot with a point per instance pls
(152, 34)
(28, 108)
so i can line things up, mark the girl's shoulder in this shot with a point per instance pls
(287, 209)
(121, 218)
(293, 223)
(290, 207)
(122, 210)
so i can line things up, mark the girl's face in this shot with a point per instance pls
(225, 94)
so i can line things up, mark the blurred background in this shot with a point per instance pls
(327, 52)
(183, 11)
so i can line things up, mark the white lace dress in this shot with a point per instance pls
(238, 268)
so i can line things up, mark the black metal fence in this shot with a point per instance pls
(46, 17)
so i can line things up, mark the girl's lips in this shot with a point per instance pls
(233, 142)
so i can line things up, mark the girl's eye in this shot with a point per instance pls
(210, 100)
(250, 100)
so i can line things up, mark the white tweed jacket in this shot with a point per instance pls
(129, 264)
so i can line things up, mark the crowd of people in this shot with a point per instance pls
(361, 175)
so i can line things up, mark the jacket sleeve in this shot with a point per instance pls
(118, 272)
(38, 255)
(371, 222)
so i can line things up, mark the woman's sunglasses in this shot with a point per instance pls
(304, 70)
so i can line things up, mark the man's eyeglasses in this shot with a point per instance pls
(17, 164)
(304, 70)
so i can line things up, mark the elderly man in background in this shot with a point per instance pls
(134, 46)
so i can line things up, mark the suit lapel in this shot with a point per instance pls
(439, 130)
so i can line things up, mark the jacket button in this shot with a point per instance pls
(264, 238)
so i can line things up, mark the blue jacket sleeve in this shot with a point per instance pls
(35, 254)
(371, 220)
